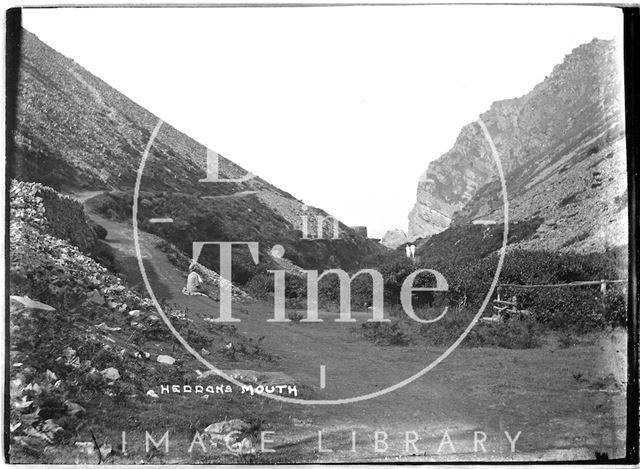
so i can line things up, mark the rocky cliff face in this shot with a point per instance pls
(574, 113)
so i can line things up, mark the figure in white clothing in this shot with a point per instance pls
(193, 282)
(408, 250)
(413, 251)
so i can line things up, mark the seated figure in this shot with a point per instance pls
(194, 282)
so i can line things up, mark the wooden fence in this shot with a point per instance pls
(508, 307)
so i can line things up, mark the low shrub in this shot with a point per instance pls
(615, 307)
(113, 205)
(295, 316)
(567, 339)
(581, 309)
(99, 230)
(260, 286)
(512, 334)
(245, 348)
(447, 330)
(103, 253)
(386, 333)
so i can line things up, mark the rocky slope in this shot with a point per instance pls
(82, 340)
(63, 217)
(74, 132)
(561, 147)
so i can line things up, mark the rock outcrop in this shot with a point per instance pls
(394, 238)
(576, 109)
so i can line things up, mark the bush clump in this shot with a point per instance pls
(582, 308)
(515, 334)
(386, 333)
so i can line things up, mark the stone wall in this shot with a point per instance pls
(66, 219)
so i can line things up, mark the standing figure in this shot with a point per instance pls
(413, 251)
(408, 250)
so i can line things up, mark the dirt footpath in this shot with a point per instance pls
(479, 404)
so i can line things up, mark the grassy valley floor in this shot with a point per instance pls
(561, 402)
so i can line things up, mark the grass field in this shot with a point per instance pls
(567, 402)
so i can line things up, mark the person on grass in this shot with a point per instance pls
(194, 282)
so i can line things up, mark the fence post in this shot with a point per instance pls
(603, 297)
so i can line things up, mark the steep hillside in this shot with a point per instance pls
(580, 197)
(82, 340)
(74, 132)
(562, 150)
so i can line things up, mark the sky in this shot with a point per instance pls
(343, 108)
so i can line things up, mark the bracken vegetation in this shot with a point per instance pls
(242, 218)
(64, 368)
(469, 273)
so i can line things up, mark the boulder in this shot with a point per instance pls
(229, 436)
(166, 359)
(111, 374)
(394, 238)
(96, 298)
(28, 303)
(227, 426)
(73, 408)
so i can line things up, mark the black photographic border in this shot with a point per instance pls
(631, 48)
